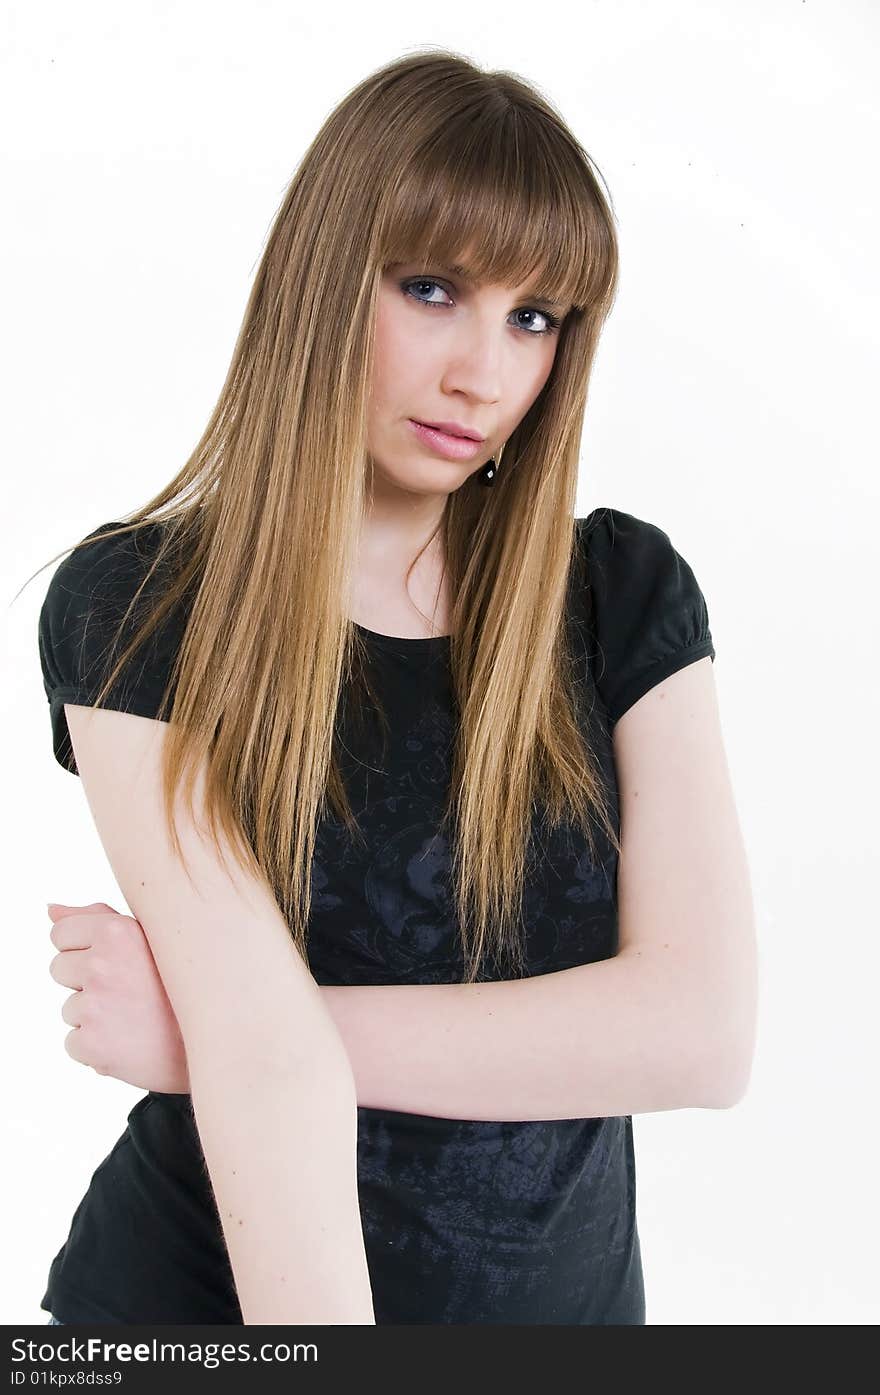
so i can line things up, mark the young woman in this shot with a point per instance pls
(454, 918)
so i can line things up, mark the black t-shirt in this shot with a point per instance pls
(464, 1221)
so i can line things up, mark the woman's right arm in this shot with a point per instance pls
(272, 1088)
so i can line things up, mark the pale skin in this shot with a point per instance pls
(669, 1022)
(445, 351)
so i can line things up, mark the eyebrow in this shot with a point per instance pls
(537, 300)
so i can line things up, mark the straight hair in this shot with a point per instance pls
(260, 527)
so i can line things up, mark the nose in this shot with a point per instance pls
(474, 365)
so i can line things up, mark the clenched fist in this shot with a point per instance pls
(123, 1024)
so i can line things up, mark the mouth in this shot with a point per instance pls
(445, 443)
(451, 428)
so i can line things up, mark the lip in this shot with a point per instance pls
(452, 428)
(452, 447)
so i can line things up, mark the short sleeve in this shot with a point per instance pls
(648, 615)
(84, 607)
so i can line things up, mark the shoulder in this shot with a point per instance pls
(104, 564)
(89, 596)
(92, 587)
(612, 537)
(98, 599)
(646, 610)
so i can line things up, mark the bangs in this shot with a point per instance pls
(504, 205)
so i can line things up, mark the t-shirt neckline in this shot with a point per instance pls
(417, 643)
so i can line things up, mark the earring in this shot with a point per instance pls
(489, 470)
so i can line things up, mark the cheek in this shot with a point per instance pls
(537, 380)
(392, 349)
(548, 362)
(401, 358)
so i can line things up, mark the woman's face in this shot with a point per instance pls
(448, 351)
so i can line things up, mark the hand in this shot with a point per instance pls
(123, 1023)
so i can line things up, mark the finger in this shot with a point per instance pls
(73, 1045)
(57, 909)
(73, 932)
(79, 1048)
(72, 1010)
(85, 929)
(69, 968)
(89, 924)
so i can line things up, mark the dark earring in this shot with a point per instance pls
(490, 469)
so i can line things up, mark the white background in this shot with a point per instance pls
(145, 150)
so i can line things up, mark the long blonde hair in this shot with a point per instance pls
(425, 157)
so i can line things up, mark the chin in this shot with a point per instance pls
(427, 479)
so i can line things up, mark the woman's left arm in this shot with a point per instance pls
(668, 1023)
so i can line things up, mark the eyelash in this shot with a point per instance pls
(553, 322)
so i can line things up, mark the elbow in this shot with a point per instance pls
(698, 1079)
(729, 1084)
(728, 1051)
(724, 1030)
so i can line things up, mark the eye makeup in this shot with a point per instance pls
(537, 303)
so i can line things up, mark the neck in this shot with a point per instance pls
(397, 524)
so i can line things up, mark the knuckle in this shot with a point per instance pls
(98, 968)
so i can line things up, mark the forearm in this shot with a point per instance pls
(618, 1037)
(281, 1151)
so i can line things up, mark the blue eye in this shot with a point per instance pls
(553, 321)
